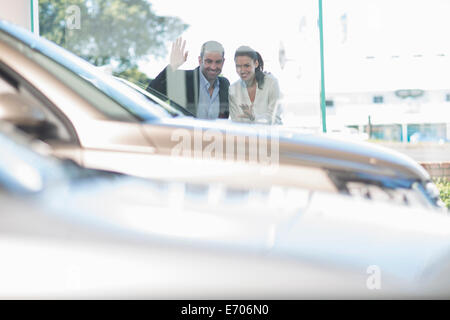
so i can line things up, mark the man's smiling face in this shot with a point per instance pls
(211, 65)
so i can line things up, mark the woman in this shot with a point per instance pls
(253, 98)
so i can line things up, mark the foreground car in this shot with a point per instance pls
(68, 232)
(101, 123)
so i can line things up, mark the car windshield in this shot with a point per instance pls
(111, 97)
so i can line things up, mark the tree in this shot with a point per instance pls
(116, 32)
(134, 75)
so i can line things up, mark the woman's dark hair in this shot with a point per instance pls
(255, 56)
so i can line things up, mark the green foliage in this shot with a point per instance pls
(116, 32)
(135, 76)
(444, 190)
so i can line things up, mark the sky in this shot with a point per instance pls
(360, 37)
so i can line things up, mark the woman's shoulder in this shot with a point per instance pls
(236, 83)
(270, 77)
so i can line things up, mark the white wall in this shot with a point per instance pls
(19, 12)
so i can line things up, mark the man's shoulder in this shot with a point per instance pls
(224, 80)
(167, 69)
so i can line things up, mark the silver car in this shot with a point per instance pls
(68, 232)
(99, 122)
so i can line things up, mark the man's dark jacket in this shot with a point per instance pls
(192, 83)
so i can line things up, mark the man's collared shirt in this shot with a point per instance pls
(208, 106)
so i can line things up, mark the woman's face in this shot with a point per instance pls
(245, 67)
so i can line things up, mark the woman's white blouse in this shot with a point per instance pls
(266, 106)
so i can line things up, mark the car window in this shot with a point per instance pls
(21, 108)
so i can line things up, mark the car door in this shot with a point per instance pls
(29, 109)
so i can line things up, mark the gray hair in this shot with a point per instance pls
(212, 46)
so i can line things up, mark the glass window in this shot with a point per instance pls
(385, 64)
(391, 132)
(378, 99)
(133, 40)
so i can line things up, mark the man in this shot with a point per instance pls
(201, 91)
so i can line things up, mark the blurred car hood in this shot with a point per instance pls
(312, 149)
(404, 243)
(290, 228)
